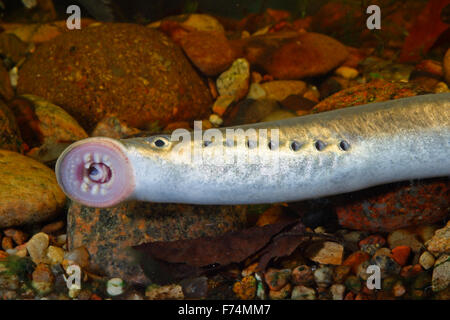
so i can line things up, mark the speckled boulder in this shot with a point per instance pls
(134, 72)
(109, 233)
(393, 206)
(374, 91)
(29, 192)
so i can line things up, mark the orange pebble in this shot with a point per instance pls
(355, 259)
(401, 254)
(349, 296)
(411, 271)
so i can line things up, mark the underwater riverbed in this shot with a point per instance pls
(135, 69)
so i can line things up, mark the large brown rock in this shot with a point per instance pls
(29, 192)
(129, 70)
(109, 233)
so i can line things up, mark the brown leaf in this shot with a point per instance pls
(424, 32)
(232, 247)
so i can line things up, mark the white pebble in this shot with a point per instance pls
(426, 260)
(115, 286)
(215, 119)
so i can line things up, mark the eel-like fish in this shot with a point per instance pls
(288, 160)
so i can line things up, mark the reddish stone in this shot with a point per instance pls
(210, 52)
(395, 206)
(401, 254)
(349, 296)
(374, 91)
(431, 67)
(109, 233)
(7, 243)
(53, 227)
(411, 271)
(308, 54)
(3, 254)
(18, 236)
(355, 259)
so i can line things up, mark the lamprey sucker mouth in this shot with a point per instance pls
(95, 172)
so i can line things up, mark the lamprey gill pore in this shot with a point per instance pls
(294, 159)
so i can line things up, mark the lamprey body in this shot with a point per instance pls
(288, 160)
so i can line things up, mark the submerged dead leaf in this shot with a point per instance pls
(166, 261)
(232, 247)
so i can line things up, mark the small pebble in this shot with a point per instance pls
(382, 252)
(326, 252)
(115, 287)
(55, 255)
(53, 227)
(356, 259)
(246, 288)
(401, 254)
(337, 291)
(283, 293)
(7, 243)
(61, 239)
(399, 289)
(387, 265)
(441, 87)
(256, 92)
(42, 279)
(235, 81)
(221, 104)
(404, 237)
(79, 256)
(426, 260)
(411, 271)
(276, 279)
(340, 273)
(173, 292)
(37, 246)
(303, 293)
(18, 236)
(346, 72)
(323, 276)
(353, 284)
(302, 275)
(215, 119)
(74, 291)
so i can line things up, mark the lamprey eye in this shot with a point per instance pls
(344, 145)
(160, 142)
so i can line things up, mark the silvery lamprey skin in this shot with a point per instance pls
(289, 160)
